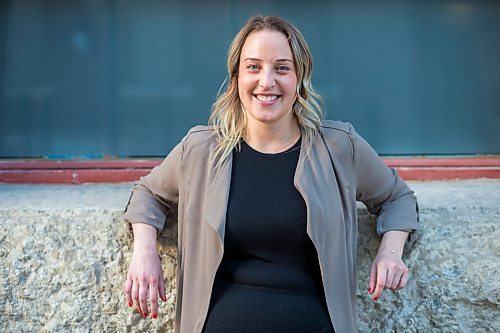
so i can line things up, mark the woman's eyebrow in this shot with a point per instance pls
(252, 59)
(282, 60)
(277, 60)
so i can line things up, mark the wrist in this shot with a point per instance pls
(393, 242)
(145, 237)
(392, 251)
(145, 246)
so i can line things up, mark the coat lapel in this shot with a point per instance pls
(217, 196)
(316, 181)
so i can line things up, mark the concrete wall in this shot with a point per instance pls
(64, 253)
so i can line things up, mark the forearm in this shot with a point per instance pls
(145, 236)
(393, 242)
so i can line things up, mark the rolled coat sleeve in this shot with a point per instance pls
(383, 192)
(154, 194)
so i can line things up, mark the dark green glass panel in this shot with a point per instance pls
(93, 78)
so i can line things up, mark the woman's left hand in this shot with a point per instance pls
(388, 271)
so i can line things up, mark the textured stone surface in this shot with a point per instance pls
(64, 252)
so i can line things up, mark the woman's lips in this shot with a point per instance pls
(266, 99)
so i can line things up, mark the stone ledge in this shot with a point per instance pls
(64, 254)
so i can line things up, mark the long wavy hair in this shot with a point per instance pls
(228, 116)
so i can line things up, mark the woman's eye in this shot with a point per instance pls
(253, 67)
(282, 68)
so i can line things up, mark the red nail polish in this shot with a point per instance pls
(129, 305)
(375, 298)
(370, 290)
(154, 316)
(145, 314)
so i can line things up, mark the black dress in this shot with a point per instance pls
(269, 279)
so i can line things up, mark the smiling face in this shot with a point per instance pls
(267, 79)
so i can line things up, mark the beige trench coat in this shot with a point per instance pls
(339, 169)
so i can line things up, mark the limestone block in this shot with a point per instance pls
(454, 281)
(64, 254)
(63, 271)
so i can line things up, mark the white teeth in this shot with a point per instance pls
(266, 98)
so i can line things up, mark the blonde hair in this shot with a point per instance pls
(228, 116)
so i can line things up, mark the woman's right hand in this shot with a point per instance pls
(145, 275)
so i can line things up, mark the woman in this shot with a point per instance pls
(267, 204)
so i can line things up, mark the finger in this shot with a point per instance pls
(135, 295)
(143, 299)
(389, 276)
(127, 288)
(396, 279)
(404, 280)
(153, 297)
(380, 282)
(162, 289)
(373, 278)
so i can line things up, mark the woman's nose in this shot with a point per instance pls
(266, 79)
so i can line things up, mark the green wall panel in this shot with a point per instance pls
(128, 78)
